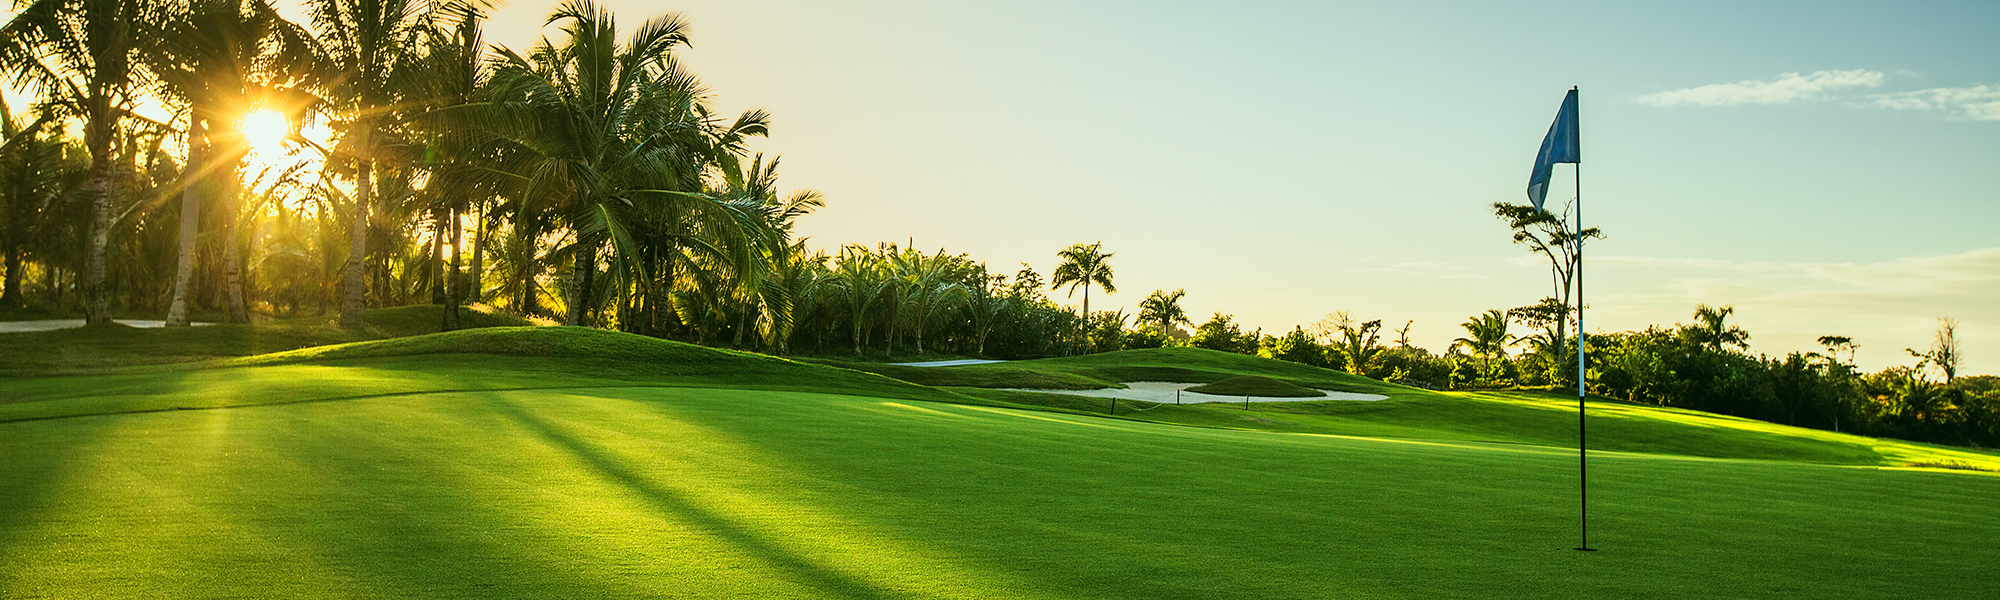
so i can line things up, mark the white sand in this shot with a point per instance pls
(949, 363)
(50, 325)
(1164, 392)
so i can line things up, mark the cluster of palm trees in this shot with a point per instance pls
(585, 180)
(591, 164)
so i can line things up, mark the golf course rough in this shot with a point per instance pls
(555, 472)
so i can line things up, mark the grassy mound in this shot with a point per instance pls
(1111, 369)
(1253, 385)
(998, 375)
(473, 359)
(90, 349)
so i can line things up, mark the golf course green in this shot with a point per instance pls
(542, 462)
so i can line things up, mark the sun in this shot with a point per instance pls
(265, 130)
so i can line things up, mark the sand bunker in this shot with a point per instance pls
(1165, 391)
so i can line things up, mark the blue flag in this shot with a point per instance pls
(1559, 147)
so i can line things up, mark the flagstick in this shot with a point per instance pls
(1582, 453)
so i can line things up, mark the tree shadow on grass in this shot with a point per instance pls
(824, 582)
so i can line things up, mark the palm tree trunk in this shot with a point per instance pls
(12, 294)
(857, 337)
(190, 219)
(579, 291)
(232, 258)
(96, 305)
(352, 300)
(475, 291)
(438, 228)
(451, 275)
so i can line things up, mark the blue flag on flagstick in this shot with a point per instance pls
(1559, 147)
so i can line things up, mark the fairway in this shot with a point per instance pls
(710, 492)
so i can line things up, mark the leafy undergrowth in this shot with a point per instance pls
(92, 349)
(1253, 385)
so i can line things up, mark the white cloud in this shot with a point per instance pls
(1787, 88)
(1979, 103)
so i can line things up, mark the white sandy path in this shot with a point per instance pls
(949, 363)
(54, 324)
(1163, 392)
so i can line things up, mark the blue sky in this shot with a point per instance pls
(1284, 160)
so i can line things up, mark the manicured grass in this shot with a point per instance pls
(472, 359)
(696, 493)
(85, 350)
(1253, 385)
(1002, 375)
(573, 463)
(1110, 369)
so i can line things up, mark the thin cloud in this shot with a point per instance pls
(1978, 103)
(1785, 89)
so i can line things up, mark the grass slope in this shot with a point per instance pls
(1111, 369)
(1542, 419)
(471, 359)
(93, 349)
(726, 493)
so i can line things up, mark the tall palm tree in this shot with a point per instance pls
(1486, 335)
(229, 57)
(1083, 264)
(460, 162)
(1164, 308)
(83, 55)
(605, 126)
(372, 46)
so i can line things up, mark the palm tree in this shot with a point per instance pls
(790, 293)
(1712, 331)
(1164, 309)
(460, 162)
(82, 55)
(931, 288)
(604, 127)
(985, 302)
(371, 45)
(1486, 335)
(229, 57)
(1083, 265)
(31, 178)
(861, 281)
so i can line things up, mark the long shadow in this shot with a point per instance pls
(362, 509)
(32, 468)
(823, 581)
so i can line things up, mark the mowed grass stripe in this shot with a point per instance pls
(734, 493)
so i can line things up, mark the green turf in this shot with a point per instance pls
(695, 493)
(1253, 385)
(573, 463)
(1110, 369)
(91, 349)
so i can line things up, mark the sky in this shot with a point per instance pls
(1827, 168)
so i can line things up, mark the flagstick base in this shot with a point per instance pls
(1586, 549)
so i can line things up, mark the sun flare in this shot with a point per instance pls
(265, 130)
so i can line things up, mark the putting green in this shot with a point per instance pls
(571, 463)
